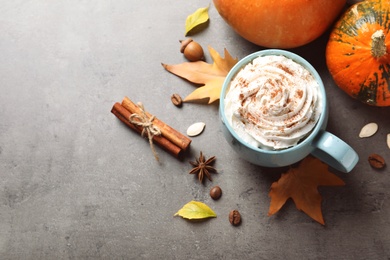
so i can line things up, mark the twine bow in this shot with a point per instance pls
(148, 128)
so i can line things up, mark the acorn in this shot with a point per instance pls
(191, 50)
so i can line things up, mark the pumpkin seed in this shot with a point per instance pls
(368, 130)
(196, 129)
(388, 140)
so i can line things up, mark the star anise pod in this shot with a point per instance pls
(203, 167)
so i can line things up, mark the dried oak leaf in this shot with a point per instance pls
(211, 76)
(301, 184)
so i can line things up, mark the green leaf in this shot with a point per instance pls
(200, 16)
(196, 210)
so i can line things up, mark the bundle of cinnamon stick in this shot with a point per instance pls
(170, 139)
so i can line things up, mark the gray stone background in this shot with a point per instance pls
(78, 184)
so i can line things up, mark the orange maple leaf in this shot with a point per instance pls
(301, 184)
(211, 76)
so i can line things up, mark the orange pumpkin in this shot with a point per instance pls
(279, 23)
(358, 52)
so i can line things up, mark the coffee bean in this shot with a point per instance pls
(176, 100)
(235, 217)
(376, 161)
(215, 192)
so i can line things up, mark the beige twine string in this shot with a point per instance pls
(147, 126)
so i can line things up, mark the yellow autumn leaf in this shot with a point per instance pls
(199, 17)
(196, 210)
(211, 76)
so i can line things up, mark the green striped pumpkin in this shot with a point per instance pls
(358, 52)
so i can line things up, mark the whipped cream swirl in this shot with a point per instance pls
(273, 102)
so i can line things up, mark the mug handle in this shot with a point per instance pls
(335, 152)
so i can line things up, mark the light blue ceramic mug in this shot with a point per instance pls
(320, 143)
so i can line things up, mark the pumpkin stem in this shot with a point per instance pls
(378, 46)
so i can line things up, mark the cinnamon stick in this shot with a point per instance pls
(123, 114)
(168, 132)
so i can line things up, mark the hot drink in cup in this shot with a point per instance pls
(274, 112)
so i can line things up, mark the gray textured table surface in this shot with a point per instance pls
(77, 184)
